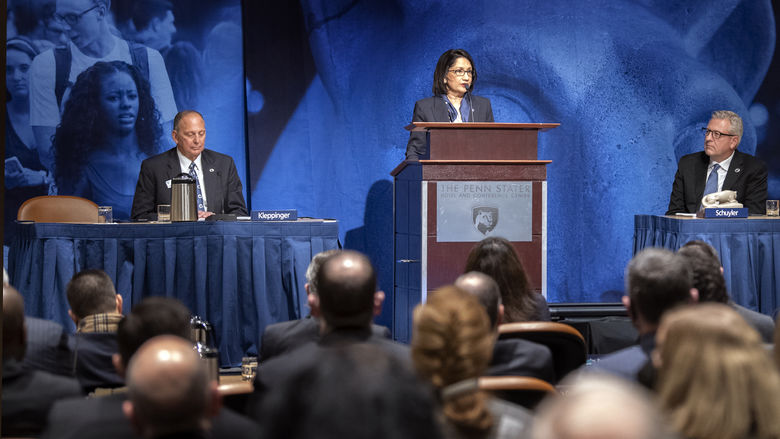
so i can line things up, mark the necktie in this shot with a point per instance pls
(201, 207)
(712, 181)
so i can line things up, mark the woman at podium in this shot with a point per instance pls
(452, 100)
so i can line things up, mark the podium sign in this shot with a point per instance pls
(470, 211)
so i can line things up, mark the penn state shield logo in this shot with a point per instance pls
(484, 218)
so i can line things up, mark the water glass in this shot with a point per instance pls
(105, 215)
(163, 213)
(248, 368)
(772, 207)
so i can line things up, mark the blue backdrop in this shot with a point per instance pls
(631, 82)
(327, 87)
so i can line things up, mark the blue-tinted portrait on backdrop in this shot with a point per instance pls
(80, 131)
(631, 82)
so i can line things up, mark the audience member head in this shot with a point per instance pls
(92, 292)
(599, 406)
(169, 388)
(707, 272)
(715, 378)
(346, 291)
(452, 342)
(314, 268)
(497, 258)
(152, 317)
(657, 280)
(88, 21)
(377, 397)
(14, 331)
(154, 22)
(486, 290)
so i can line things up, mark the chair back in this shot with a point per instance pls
(566, 344)
(525, 391)
(58, 209)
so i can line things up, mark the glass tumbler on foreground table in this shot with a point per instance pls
(164, 213)
(105, 215)
(772, 207)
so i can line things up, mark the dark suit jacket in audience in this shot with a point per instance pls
(93, 352)
(48, 347)
(761, 322)
(276, 370)
(103, 417)
(282, 337)
(522, 358)
(28, 395)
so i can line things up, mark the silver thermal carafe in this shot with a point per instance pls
(203, 336)
(184, 206)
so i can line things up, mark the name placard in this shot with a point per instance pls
(275, 215)
(724, 212)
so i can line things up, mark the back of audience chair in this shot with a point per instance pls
(58, 209)
(567, 345)
(524, 391)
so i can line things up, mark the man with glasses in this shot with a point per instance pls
(719, 167)
(53, 72)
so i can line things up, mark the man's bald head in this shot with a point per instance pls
(169, 388)
(346, 285)
(485, 289)
(14, 338)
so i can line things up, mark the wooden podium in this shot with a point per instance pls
(439, 205)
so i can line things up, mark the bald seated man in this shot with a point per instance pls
(170, 391)
(219, 189)
(510, 356)
(27, 394)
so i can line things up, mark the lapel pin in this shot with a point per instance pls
(212, 170)
(737, 170)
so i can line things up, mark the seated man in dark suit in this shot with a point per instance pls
(48, 347)
(657, 280)
(719, 167)
(279, 338)
(154, 316)
(346, 284)
(96, 309)
(27, 394)
(511, 356)
(708, 279)
(219, 188)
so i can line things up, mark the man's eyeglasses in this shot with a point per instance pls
(73, 19)
(716, 134)
(461, 72)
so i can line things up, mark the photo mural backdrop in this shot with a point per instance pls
(631, 83)
(327, 87)
(77, 127)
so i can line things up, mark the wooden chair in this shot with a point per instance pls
(525, 391)
(566, 343)
(58, 209)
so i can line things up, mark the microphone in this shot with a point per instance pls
(471, 106)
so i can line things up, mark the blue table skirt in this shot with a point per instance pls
(749, 250)
(240, 276)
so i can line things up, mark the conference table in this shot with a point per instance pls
(749, 250)
(239, 276)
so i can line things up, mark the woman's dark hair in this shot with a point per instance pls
(446, 60)
(497, 258)
(82, 129)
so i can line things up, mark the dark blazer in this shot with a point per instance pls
(434, 109)
(103, 417)
(48, 347)
(761, 322)
(28, 396)
(747, 175)
(282, 337)
(224, 192)
(94, 367)
(522, 358)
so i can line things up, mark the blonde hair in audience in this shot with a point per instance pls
(451, 342)
(715, 378)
